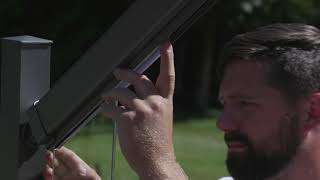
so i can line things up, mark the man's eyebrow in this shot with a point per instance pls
(237, 96)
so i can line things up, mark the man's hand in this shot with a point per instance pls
(145, 120)
(66, 165)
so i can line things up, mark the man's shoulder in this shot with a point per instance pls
(226, 178)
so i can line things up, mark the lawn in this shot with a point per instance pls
(199, 148)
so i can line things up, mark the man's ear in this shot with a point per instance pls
(314, 112)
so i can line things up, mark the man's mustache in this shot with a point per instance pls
(234, 136)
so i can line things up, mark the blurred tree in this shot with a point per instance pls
(197, 54)
(196, 58)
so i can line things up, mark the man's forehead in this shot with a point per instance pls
(243, 79)
(246, 68)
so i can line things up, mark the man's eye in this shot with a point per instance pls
(244, 103)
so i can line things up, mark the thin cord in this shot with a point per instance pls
(114, 146)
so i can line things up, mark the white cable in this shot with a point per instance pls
(114, 148)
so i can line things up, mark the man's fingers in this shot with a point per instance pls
(49, 158)
(68, 158)
(124, 96)
(141, 83)
(113, 112)
(166, 79)
(48, 173)
(119, 114)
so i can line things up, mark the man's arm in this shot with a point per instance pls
(145, 120)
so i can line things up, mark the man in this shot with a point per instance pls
(270, 90)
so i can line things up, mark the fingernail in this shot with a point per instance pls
(166, 46)
(116, 71)
(48, 155)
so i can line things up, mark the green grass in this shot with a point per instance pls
(199, 149)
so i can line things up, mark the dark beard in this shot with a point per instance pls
(259, 165)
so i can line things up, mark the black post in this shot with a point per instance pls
(25, 78)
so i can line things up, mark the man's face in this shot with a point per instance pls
(262, 131)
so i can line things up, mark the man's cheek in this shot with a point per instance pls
(264, 144)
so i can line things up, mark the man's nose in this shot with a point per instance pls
(227, 123)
